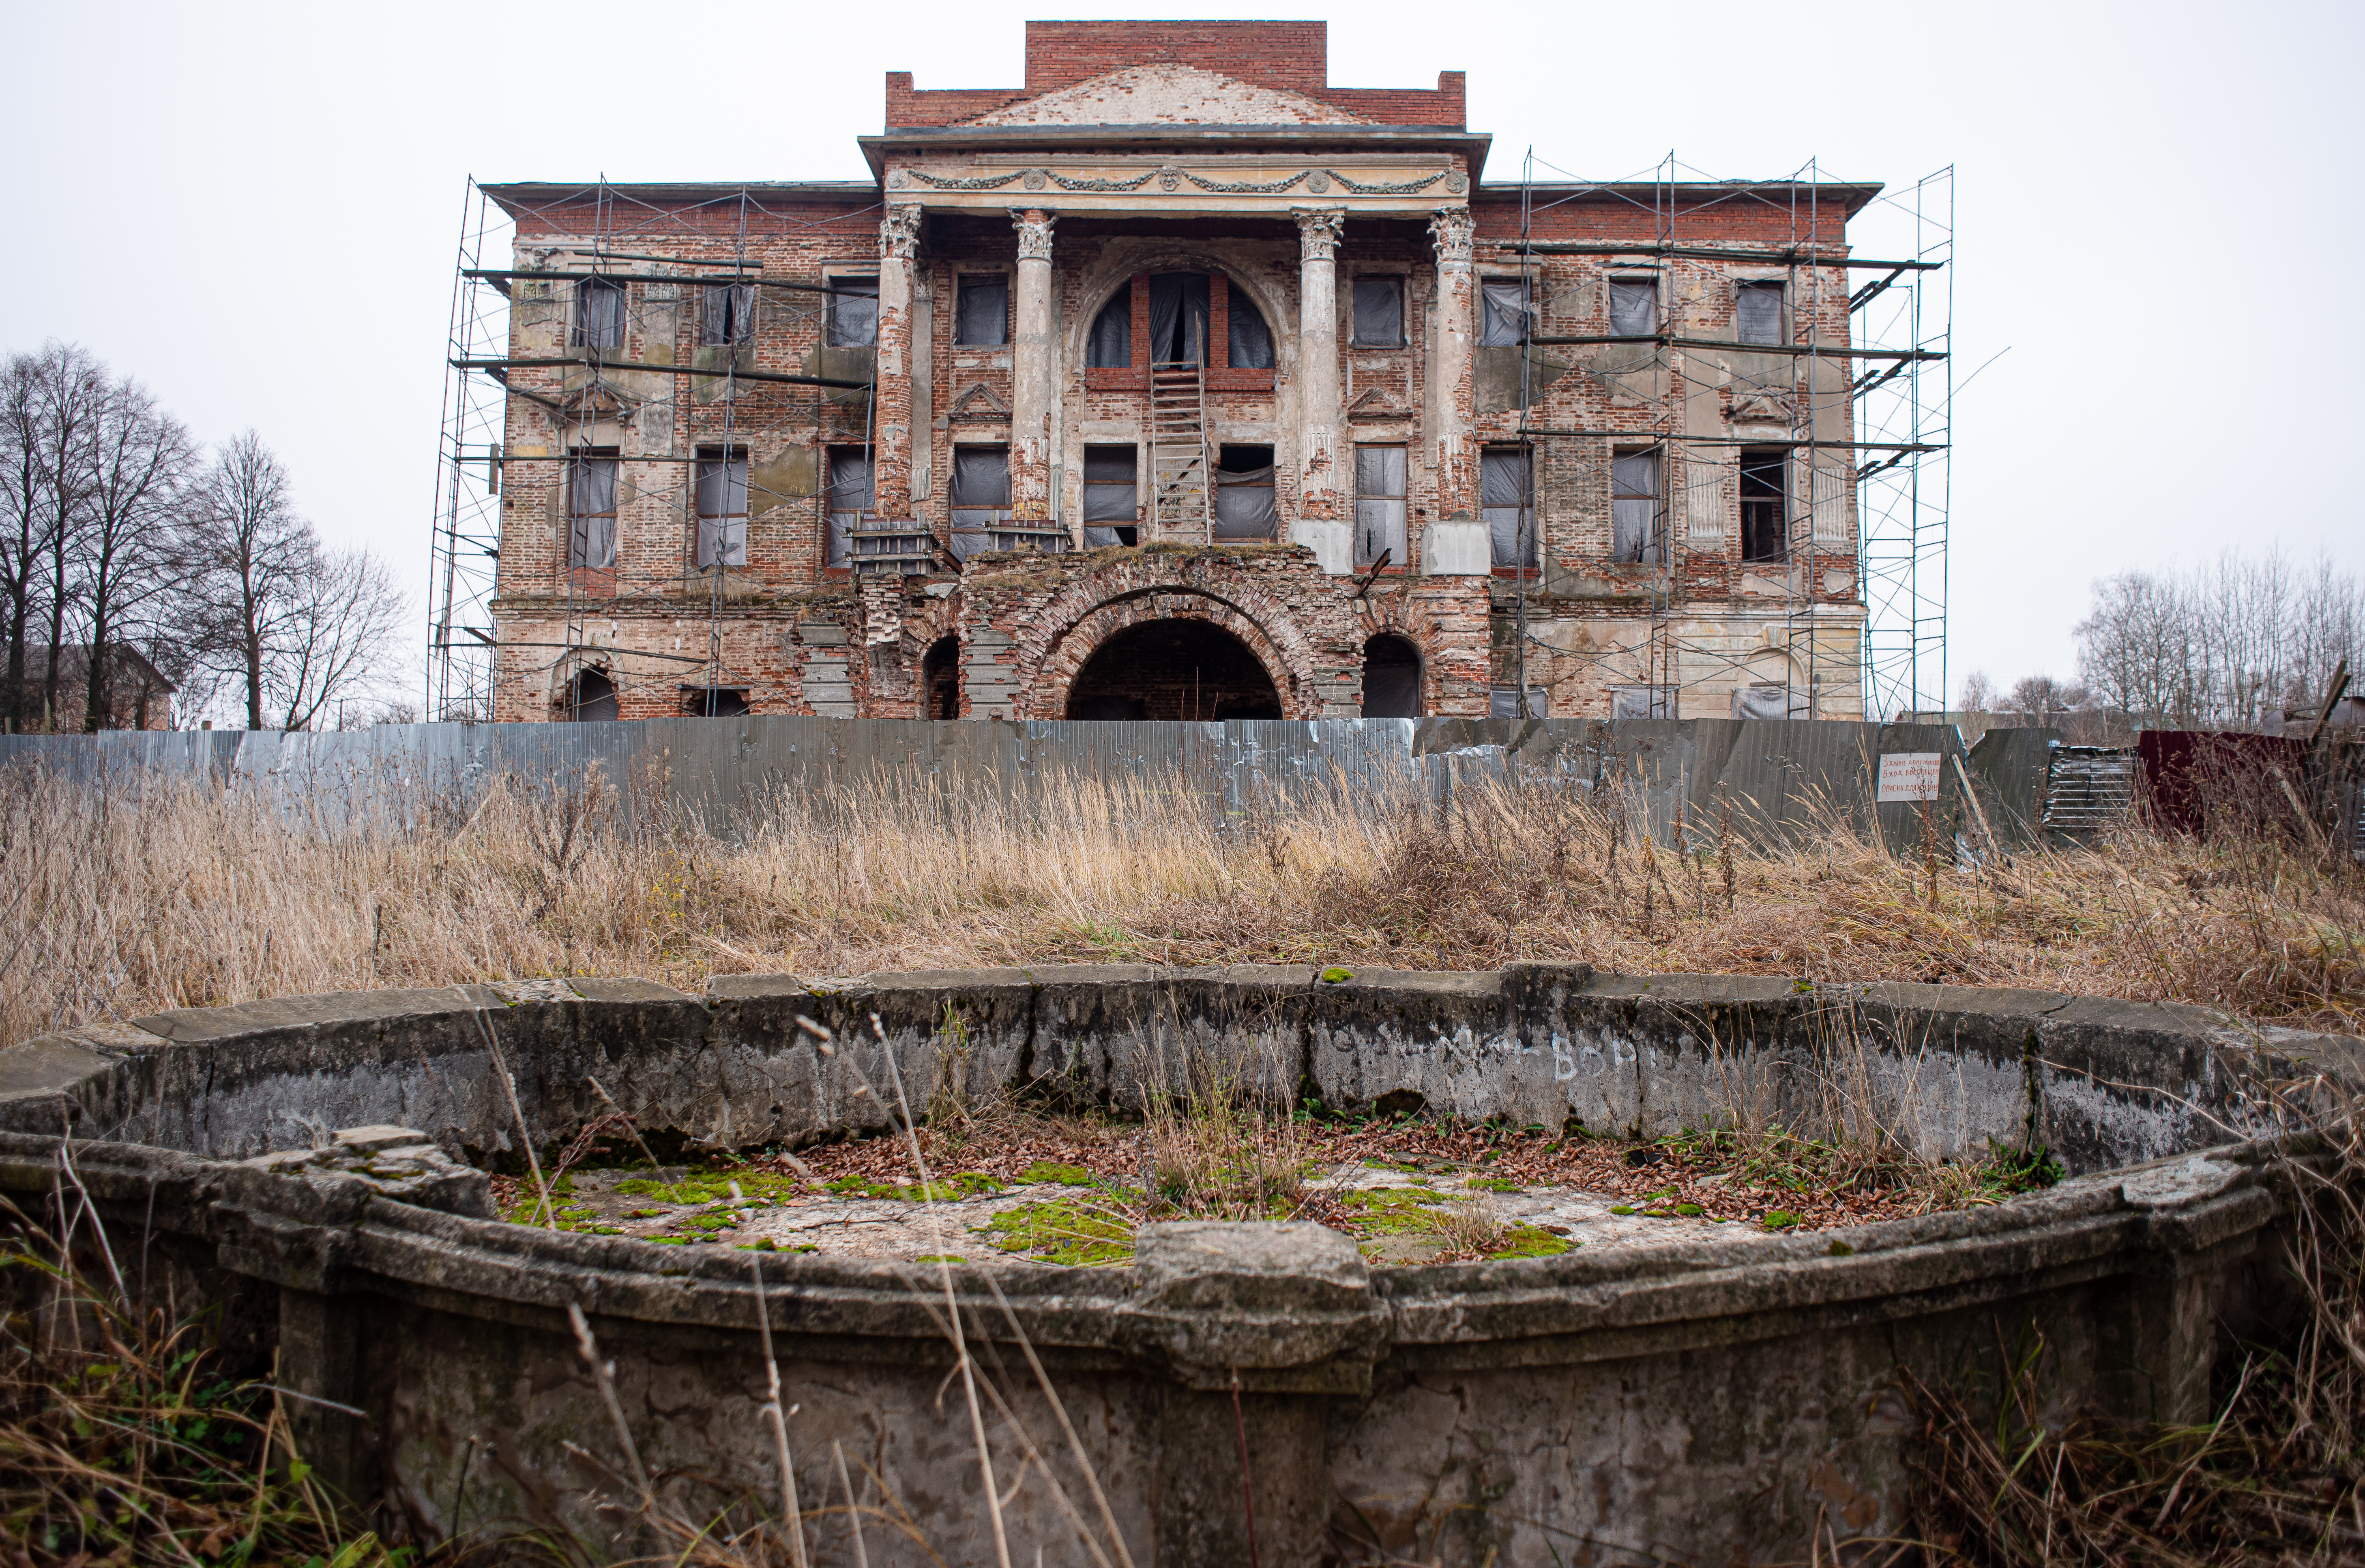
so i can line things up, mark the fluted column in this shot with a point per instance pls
(1455, 540)
(899, 242)
(1325, 491)
(1034, 373)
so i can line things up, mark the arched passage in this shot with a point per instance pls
(1391, 677)
(1175, 669)
(940, 679)
(590, 695)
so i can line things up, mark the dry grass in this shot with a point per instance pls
(146, 893)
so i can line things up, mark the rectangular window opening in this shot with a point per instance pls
(1506, 505)
(1112, 503)
(1379, 313)
(1634, 527)
(599, 314)
(852, 497)
(1244, 494)
(1757, 313)
(1765, 504)
(721, 508)
(1380, 507)
(1633, 306)
(592, 508)
(979, 496)
(1503, 312)
(852, 312)
(981, 316)
(728, 318)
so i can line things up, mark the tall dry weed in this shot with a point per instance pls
(141, 893)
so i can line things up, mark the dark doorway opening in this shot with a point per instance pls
(1764, 506)
(714, 702)
(940, 679)
(1391, 678)
(1180, 670)
(590, 695)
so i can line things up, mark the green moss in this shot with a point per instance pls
(1063, 1231)
(939, 1258)
(1690, 1211)
(1052, 1171)
(950, 1189)
(1532, 1241)
(1621, 1208)
(1496, 1184)
(1778, 1219)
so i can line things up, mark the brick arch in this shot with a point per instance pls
(1401, 616)
(922, 630)
(1083, 618)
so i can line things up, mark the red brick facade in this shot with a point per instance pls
(1067, 620)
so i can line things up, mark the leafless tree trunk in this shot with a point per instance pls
(245, 556)
(339, 630)
(50, 406)
(140, 459)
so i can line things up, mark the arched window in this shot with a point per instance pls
(590, 695)
(1181, 318)
(1111, 347)
(1252, 339)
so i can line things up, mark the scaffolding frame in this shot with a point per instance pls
(1891, 475)
(478, 398)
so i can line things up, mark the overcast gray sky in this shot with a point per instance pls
(253, 209)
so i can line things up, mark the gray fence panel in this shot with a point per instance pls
(1774, 777)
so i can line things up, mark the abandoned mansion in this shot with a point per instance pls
(1178, 384)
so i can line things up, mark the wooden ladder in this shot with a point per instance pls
(1179, 479)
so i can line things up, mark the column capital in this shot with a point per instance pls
(1033, 225)
(899, 232)
(1453, 230)
(1317, 232)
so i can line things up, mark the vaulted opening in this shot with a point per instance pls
(1391, 678)
(1178, 670)
(940, 679)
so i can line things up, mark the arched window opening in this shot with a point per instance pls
(590, 695)
(940, 679)
(1391, 678)
(1111, 344)
(1180, 669)
(1251, 347)
(714, 702)
(1182, 325)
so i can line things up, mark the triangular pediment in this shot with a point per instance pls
(1168, 94)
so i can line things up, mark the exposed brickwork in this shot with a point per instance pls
(798, 636)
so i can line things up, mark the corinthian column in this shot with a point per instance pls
(899, 241)
(1455, 540)
(1034, 373)
(1324, 521)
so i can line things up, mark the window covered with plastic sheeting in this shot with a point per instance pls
(1502, 313)
(850, 498)
(1643, 702)
(1111, 345)
(1633, 306)
(721, 509)
(1379, 313)
(1250, 344)
(1634, 507)
(1769, 700)
(1757, 313)
(720, 484)
(591, 509)
(1503, 703)
(852, 312)
(599, 314)
(727, 318)
(1506, 505)
(981, 316)
(1112, 503)
(980, 496)
(1178, 318)
(1379, 505)
(1244, 505)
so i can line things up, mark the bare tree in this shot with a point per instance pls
(48, 414)
(2044, 701)
(245, 554)
(2228, 646)
(139, 459)
(336, 633)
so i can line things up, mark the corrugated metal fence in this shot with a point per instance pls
(1769, 777)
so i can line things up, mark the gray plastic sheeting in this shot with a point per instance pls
(1772, 778)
